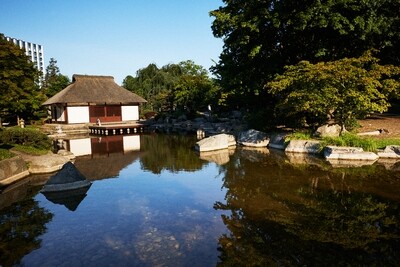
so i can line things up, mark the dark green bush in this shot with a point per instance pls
(26, 137)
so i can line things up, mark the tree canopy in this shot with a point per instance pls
(341, 90)
(262, 36)
(184, 86)
(19, 90)
(54, 81)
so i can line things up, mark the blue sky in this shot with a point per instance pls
(114, 37)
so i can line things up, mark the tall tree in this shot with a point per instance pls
(19, 90)
(54, 81)
(182, 85)
(343, 90)
(194, 90)
(262, 36)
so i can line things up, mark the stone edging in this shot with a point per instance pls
(278, 141)
(12, 170)
(18, 167)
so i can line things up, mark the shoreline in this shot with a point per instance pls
(22, 165)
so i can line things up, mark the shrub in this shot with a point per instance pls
(26, 137)
(5, 154)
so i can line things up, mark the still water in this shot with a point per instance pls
(156, 202)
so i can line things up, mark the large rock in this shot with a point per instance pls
(348, 153)
(68, 178)
(277, 141)
(303, 146)
(46, 163)
(329, 130)
(390, 152)
(215, 142)
(12, 169)
(253, 138)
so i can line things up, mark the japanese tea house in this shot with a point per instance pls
(89, 99)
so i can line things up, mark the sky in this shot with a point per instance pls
(115, 37)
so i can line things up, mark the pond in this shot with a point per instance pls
(154, 201)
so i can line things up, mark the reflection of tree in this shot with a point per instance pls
(20, 226)
(283, 215)
(169, 152)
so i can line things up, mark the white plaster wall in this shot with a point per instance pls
(131, 142)
(80, 147)
(78, 114)
(130, 113)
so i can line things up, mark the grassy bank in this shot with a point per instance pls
(5, 154)
(348, 139)
(26, 140)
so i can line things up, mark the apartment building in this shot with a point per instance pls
(34, 51)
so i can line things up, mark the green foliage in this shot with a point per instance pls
(5, 154)
(19, 91)
(305, 135)
(184, 86)
(31, 150)
(353, 140)
(54, 81)
(261, 119)
(342, 90)
(262, 36)
(25, 137)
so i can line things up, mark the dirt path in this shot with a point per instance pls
(389, 123)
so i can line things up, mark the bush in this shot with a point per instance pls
(26, 137)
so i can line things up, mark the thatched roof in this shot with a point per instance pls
(96, 90)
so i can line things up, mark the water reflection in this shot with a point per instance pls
(21, 225)
(170, 152)
(308, 214)
(69, 198)
(99, 145)
(168, 205)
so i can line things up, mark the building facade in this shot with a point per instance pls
(35, 52)
(90, 98)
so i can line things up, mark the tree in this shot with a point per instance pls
(194, 90)
(195, 93)
(54, 81)
(153, 84)
(262, 36)
(182, 85)
(19, 90)
(342, 90)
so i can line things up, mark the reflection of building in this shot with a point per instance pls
(99, 146)
(102, 157)
(35, 52)
(93, 99)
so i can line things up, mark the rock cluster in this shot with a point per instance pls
(231, 123)
(221, 143)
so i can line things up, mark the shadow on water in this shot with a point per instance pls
(275, 209)
(21, 224)
(70, 199)
(308, 214)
